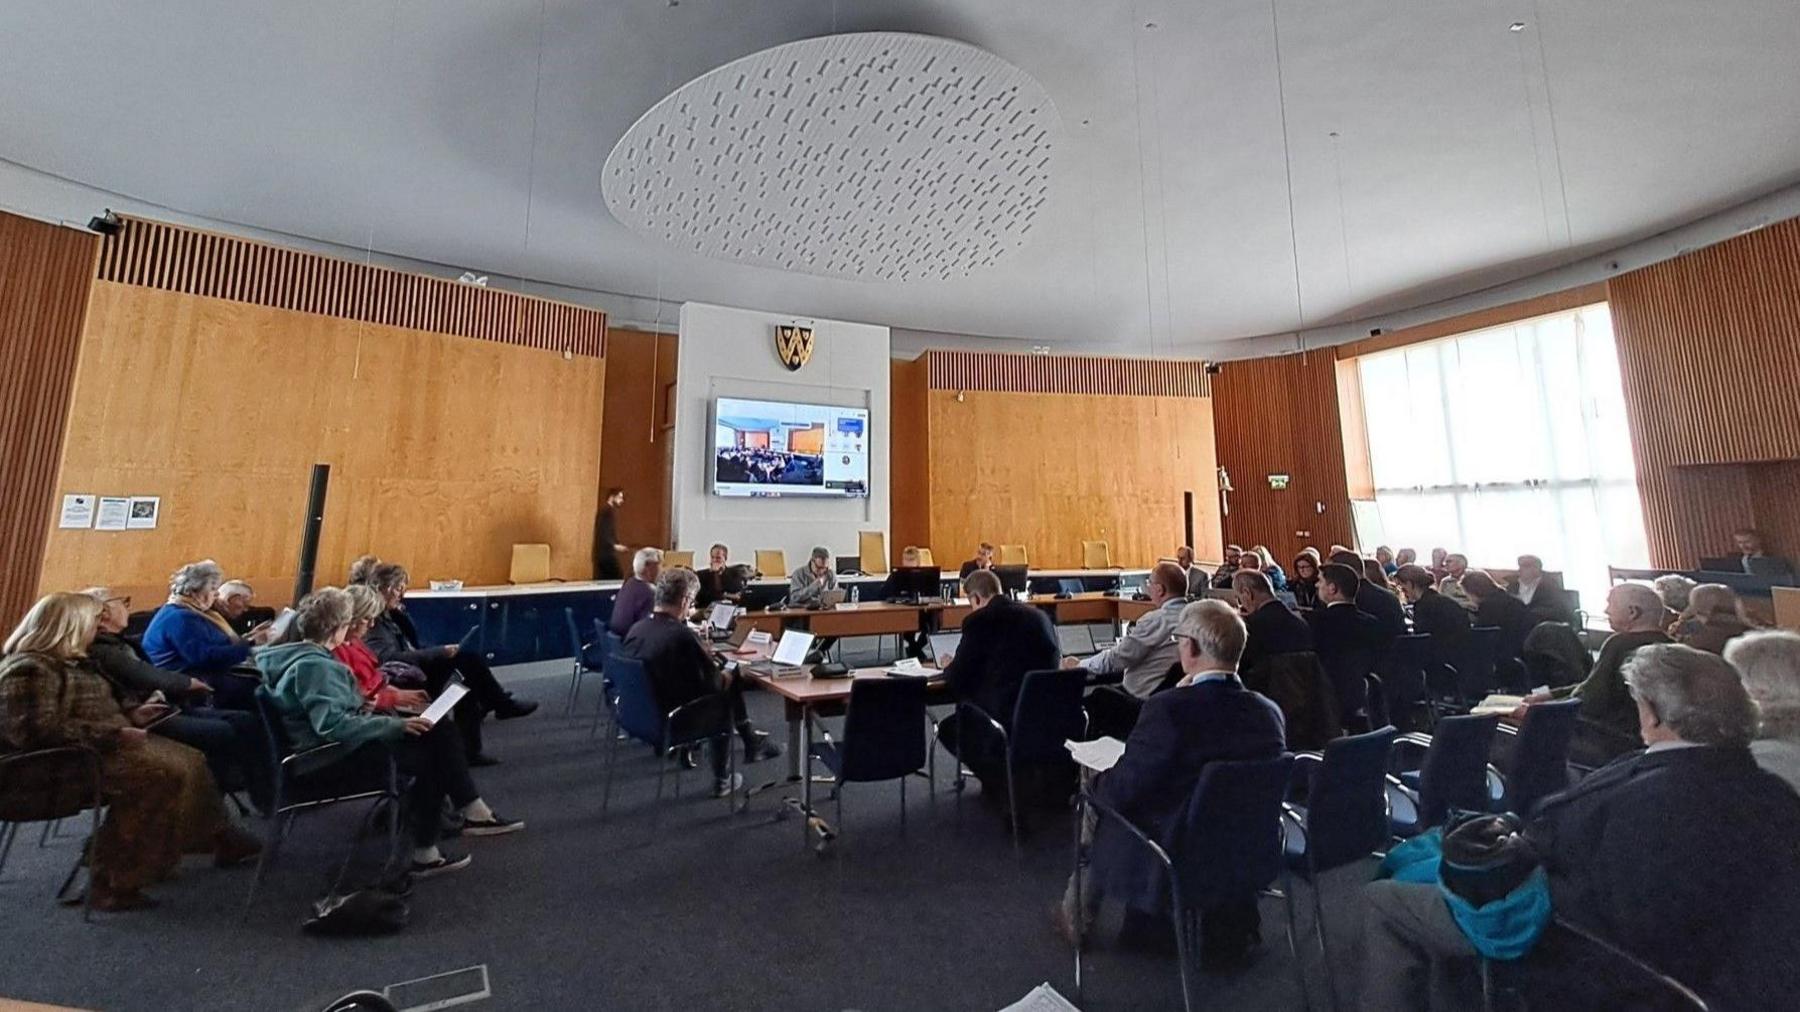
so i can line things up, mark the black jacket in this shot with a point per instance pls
(1001, 642)
(1273, 629)
(1549, 603)
(133, 678)
(679, 668)
(1444, 619)
(1508, 614)
(716, 586)
(394, 638)
(1178, 733)
(1679, 856)
(1385, 607)
(1348, 641)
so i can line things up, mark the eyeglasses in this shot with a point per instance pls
(126, 600)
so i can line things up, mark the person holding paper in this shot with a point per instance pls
(1207, 717)
(188, 636)
(320, 702)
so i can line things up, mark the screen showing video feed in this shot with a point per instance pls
(771, 448)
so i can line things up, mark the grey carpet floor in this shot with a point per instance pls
(701, 909)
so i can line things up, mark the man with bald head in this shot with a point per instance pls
(1609, 716)
(1142, 658)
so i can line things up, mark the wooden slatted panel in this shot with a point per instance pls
(45, 273)
(1280, 416)
(1066, 374)
(174, 258)
(1709, 350)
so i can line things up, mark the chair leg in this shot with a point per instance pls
(1287, 899)
(574, 688)
(902, 808)
(1324, 949)
(1183, 956)
(49, 828)
(87, 901)
(1012, 803)
(278, 829)
(7, 832)
(1080, 914)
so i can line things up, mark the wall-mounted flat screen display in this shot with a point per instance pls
(773, 448)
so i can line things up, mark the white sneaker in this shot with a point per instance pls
(727, 786)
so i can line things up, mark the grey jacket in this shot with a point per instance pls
(802, 590)
(115, 658)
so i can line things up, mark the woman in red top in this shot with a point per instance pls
(366, 607)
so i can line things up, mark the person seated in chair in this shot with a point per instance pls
(366, 606)
(1496, 608)
(1382, 603)
(1221, 577)
(233, 603)
(1768, 660)
(807, 586)
(1608, 726)
(1682, 855)
(231, 740)
(1756, 559)
(1271, 627)
(320, 703)
(681, 669)
(1002, 640)
(719, 581)
(1208, 717)
(187, 636)
(394, 638)
(1434, 614)
(1712, 618)
(1142, 657)
(897, 585)
(1347, 639)
(637, 595)
(1542, 594)
(984, 559)
(160, 799)
(1305, 582)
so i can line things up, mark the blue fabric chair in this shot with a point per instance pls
(883, 738)
(1539, 764)
(1468, 674)
(1227, 844)
(1404, 670)
(609, 643)
(636, 713)
(1452, 774)
(328, 774)
(1048, 712)
(587, 659)
(1343, 820)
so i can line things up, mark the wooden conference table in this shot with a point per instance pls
(884, 618)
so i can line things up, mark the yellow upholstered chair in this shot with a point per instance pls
(530, 564)
(925, 557)
(674, 558)
(1095, 555)
(1013, 555)
(871, 547)
(771, 562)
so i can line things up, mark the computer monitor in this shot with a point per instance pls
(919, 583)
(1722, 563)
(1068, 585)
(763, 596)
(849, 565)
(1012, 578)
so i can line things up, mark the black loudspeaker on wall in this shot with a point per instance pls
(1187, 518)
(309, 538)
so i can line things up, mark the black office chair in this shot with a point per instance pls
(46, 785)
(1467, 673)
(1404, 670)
(1599, 972)
(1047, 713)
(1452, 774)
(883, 738)
(314, 778)
(691, 724)
(1538, 765)
(1344, 818)
(1227, 844)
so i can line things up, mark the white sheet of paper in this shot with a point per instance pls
(441, 705)
(1042, 998)
(113, 514)
(793, 647)
(1497, 703)
(77, 512)
(280, 625)
(1098, 755)
(759, 639)
(721, 615)
(909, 666)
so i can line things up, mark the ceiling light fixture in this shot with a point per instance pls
(1516, 26)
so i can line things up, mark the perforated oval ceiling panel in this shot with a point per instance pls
(874, 157)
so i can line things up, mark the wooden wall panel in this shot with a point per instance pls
(1067, 374)
(175, 258)
(909, 458)
(45, 271)
(444, 450)
(1051, 470)
(1280, 416)
(1709, 347)
(638, 453)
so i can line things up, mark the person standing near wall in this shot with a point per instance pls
(606, 537)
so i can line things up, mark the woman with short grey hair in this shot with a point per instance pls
(1674, 589)
(320, 703)
(1769, 663)
(186, 635)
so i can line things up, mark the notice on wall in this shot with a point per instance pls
(144, 509)
(112, 513)
(77, 512)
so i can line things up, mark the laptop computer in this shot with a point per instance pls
(1722, 563)
(1076, 640)
(790, 654)
(943, 645)
(832, 598)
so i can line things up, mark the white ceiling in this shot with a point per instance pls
(1433, 151)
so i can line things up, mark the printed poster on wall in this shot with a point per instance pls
(77, 512)
(143, 512)
(112, 513)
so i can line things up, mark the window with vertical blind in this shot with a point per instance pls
(1506, 441)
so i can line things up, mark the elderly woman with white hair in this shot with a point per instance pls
(186, 635)
(1768, 661)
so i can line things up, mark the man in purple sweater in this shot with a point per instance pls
(637, 598)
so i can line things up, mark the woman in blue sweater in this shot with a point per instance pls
(186, 635)
(320, 702)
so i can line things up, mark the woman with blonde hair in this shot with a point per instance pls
(161, 799)
(1712, 618)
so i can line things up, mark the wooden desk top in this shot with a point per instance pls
(804, 688)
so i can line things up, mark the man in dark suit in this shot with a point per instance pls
(1347, 639)
(1682, 855)
(1002, 640)
(1208, 717)
(1446, 621)
(1541, 593)
(1271, 627)
(1373, 600)
(681, 670)
(983, 560)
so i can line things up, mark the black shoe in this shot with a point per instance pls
(482, 759)
(511, 708)
(444, 864)
(758, 747)
(688, 757)
(450, 827)
(495, 826)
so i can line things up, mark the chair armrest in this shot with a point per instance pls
(1504, 728)
(308, 753)
(1108, 811)
(716, 699)
(1299, 773)
(1418, 738)
(1636, 963)
(996, 725)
